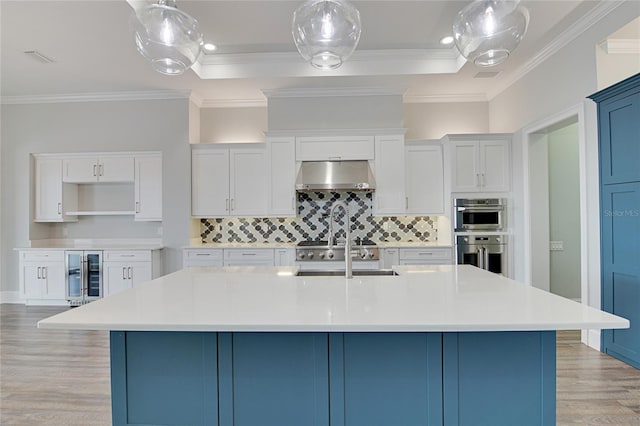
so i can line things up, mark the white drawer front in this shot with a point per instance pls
(127, 256)
(425, 254)
(248, 254)
(203, 254)
(42, 256)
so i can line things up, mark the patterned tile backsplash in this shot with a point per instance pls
(312, 223)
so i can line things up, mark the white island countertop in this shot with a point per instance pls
(421, 298)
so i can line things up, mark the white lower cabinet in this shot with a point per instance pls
(202, 257)
(237, 257)
(123, 270)
(248, 257)
(389, 257)
(426, 256)
(42, 277)
(285, 257)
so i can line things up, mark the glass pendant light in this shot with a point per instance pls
(487, 31)
(326, 32)
(169, 38)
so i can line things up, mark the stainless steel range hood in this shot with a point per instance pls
(335, 175)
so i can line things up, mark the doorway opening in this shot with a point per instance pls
(554, 185)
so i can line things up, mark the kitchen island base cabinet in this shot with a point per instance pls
(337, 379)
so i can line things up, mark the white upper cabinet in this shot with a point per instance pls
(229, 181)
(108, 168)
(148, 187)
(209, 182)
(424, 178)
(389, 173)
(282, 201)
(249, 182)
(68, 186)
(334, 148)
(53, 198)
(480, 163)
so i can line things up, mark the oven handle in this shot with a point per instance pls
(486, 258)
(480, 250)
(480, 208)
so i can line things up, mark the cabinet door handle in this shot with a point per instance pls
(137, 206)
(477, 181)
(101, 170)
(249, 254)
(94, 169)
(233, 204)
(483, 180)
(59, 208)
(124, 273)
(226, 205)
(129, 272)
(44, 272)
(39, 273)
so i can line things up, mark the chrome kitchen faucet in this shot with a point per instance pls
(347, 244)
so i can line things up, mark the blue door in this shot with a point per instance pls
(619, 137)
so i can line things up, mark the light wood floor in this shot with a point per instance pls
(55, 378)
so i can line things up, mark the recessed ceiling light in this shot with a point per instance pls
(209, 47)
(447, 40)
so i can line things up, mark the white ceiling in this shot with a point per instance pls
(94, 51)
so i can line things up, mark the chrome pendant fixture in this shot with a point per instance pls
(487, 31)
(168, 38)
(326, 32)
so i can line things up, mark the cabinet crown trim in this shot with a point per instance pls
(337, 132)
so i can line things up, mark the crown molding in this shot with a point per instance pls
(361, 63)
(97, 97)
(620, 46)
(445, 98)
(320, 92)
(567, 36)
(233, 103)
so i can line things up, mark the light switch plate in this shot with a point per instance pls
(556, 245)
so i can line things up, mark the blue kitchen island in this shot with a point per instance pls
(436, 345)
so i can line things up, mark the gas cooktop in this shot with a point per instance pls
(324, 243)
(320, 250)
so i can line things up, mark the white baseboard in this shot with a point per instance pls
(591, 338)
(10, 297)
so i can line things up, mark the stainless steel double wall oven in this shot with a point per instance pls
(480, 238)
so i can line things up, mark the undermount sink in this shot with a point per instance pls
(358, 273)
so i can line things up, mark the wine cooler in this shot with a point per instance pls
(83, 276)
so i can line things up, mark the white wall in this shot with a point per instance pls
(614, 67)
(434, 120)
(562, 81)
(335, 112)
(159, 125)
(233, 124)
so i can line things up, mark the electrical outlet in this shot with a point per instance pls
(556, 245)
(218, 227)
(385, 226)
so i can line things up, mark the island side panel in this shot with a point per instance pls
(380, 379)
(500, 378)
(274, 379)
(164, 378)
